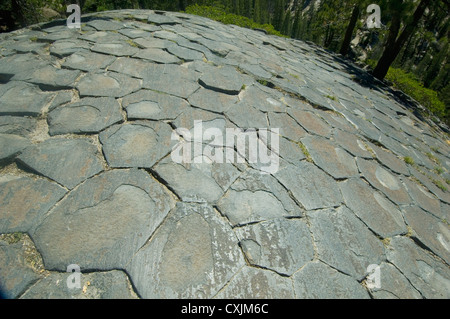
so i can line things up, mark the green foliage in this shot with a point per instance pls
(219, 14)
(409, 84)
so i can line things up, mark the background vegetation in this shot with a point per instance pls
(411, 49)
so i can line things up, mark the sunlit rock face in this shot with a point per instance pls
(170, 156)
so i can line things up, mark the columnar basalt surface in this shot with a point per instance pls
(87, 125)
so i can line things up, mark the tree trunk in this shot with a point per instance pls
(393, 46)
(348, 34)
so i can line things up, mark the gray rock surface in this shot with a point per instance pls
(90, 120)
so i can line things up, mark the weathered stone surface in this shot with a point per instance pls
(104, 222)
(344, 242)
(150, 105)
(117, 49)
(15, 125)
(279, 244)
(139, 144)
(243, 207)
(428, 275)
(134, 67)
(383, 180)
(319, 281)
(68, 162)
(212, 101)
(128, 92)
(175, 80)
(431, 231)
(393, 285)
(66, 47)
(11, 146)
(226, 80)
(99, 285)
(157, 55)
(310, 122)
(195, 182)
(25, 201)
(22, 99)
(376, 211)
(109, 84)
(105, 25)
(332, 159)
(50, 78)
(90, 115)
(185, 54)
(289, 128)
(352, 143)
(16, 273)
(424, 198)
(256, 283)
(193, 255)
(87, 61)
(310, 186)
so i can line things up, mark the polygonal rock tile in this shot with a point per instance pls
(17, 125)
(310, 186)
(434, 233)
(50, 78)
(344, 242)
(332, 159)
(246, 116)
(90, 115)
(24, 202)
(195, 182)
(135, 33)
(311, 122)
(428, 182)
(103, 223)
(281, 245)
(428, 275)
(11, 146)
(171, 79)
(87, 61)
(243, 207)
(193, 255)
(151, 43)
(257, 283)
(22, 99)
(117, 49)
(288, 126)
(185, 54)
(151, 105)
(161, 19)
(388, 159)
(212, 101)
(134, 67)
(66, 47)
(381, 215)
(139, 144)
(258, 97)
(424, 198)
(105, 25)
(103, 37)
(384, 181)
(19, 63)
(66, 161)
(97, 285)
(393, 285)
(225, 79)
(157, 55)
(352, 143)
(319, 281)
(108, 84)
(16, 273)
